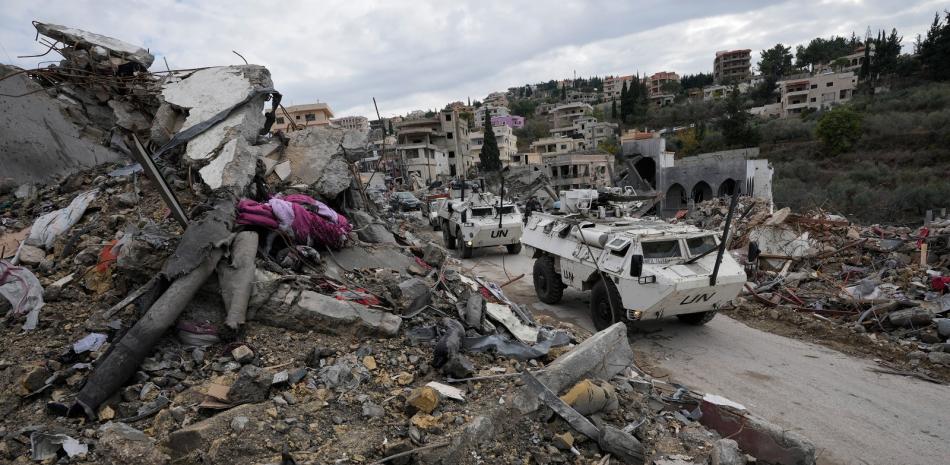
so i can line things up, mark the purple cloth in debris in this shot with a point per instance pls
(283, 211)
(320, 208)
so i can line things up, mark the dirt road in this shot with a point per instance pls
(854, 416)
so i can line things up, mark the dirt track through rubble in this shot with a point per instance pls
(854, 416)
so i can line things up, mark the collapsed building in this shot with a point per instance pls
(182, 285)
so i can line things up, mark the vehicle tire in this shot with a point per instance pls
(697, 319)
(447, 238)
(547, 282)
(464, 250)
(514, 249)
(606, 307)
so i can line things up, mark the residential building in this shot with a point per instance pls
(564, 115)
(498, 99)
(614, 84)
(585, 97)
(662, 100)
(655, 82)
(549, 145)
(512, 121)
(578, 170)
(492, 110)
(718, 91)
(433, 148)
(507, 143)
(544, 109)
(301, 116)
(732, 66)
(359, 123)
(587, 128)
(821, 91)
(525, 159)
(851, 62)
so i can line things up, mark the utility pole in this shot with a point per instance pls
(459, 157)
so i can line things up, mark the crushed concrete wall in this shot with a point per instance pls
(37, 141)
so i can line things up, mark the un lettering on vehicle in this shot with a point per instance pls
(499, 233)
(689, 300)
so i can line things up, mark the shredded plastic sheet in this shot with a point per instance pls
(48, 227)
(24, 292)
(501, 344)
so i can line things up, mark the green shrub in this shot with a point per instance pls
(838, 129)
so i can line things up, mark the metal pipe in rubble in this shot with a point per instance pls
(725, 236)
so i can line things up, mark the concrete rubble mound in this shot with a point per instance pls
(882, 289)
(200, 295)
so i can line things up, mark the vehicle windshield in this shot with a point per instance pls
(700, 245)
(658, 250)
(507, 209)
(404, 196)
(483, 211)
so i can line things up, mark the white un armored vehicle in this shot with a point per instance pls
(480, 220)
(635, 268)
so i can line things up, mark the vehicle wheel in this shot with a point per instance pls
(697, 319)
(464, 250)
(547, 282)
(447, 238)
(606, 307)
(514, 249)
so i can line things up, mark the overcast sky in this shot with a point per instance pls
(422, 54)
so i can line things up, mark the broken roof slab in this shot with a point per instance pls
(73, 36)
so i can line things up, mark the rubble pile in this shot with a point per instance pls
(883, 288)
(233, 298)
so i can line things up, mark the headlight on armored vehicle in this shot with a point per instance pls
(634, 314)
(468, 243)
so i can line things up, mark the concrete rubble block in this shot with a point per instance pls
(315, 311)
(74, 37)
(433, 254)
(908, 317)
(127, 117)
(943, 327)
(207, 92)
(121, 444)
(199, 436)
(368, 229)
(30, 255)
(415, 294)
(726, 452)
(232, 167)
(251, 386)
(316, 157)
(621, 445)
(765, 441)
(601, 356)
(939, 358)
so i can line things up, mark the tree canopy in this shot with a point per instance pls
(490, 156)
(776, 62)
(934, 49)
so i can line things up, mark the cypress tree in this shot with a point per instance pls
(490, 156)
(613, 110)
(624, 109)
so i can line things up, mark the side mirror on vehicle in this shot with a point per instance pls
(636, 265)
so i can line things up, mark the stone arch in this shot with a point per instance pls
(728, 187)
(701, 191)
(676, 197)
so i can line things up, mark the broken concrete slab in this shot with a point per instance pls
(726, 452)
(96, 43)
(601, 356)
(369, 229)
(37, 141)
(763, 440)
(207, 92)
(414, 294)
(199, 436)
(314, 311)
(316, 157)
(120, 443)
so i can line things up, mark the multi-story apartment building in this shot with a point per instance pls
(507, 143)
(552, 145)
(816, 92)
(512, 121)
(564, 115)
(614, 84)
(492, 110)
(732, 66)
(655, 82)
(588, 128)
(359, 123)
(498, 99)
(301, 116)
(584, 97)
(433, 148)
(582, 170)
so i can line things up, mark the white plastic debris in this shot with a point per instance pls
(48, 227)
(722, 401)
(24, 292)
(45, 446)
(448, 391)
(90, 343)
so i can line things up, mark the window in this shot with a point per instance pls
(700, 245)
(814, 86)
(310, 117)
(831, 83)
(448, 117)
(280, 120)
(661, 250)
(449, 135)
(483, 211)
(297, 117)
(812, 99)
(563, 146)
(451, 153)
(507, 209)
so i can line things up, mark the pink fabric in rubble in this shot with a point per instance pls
(256, 214)
(325, 227)
(283, 211)
(321, 208)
